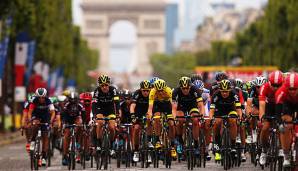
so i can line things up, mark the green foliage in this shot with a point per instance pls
(58, 42)
(172, 67)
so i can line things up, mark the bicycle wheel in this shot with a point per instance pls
(189, 150)
(36, 154)
(32, 160)
(202, 146)
(225, 149)
(119, 156)
(273, 152)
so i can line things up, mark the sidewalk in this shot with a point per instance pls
(10, 138)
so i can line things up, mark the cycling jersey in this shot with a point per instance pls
(223, 106)
(165, 96)
(125, 118)
(254, 95)
(72, 111)
(267, 94)
(286, 103)
(161, 102)
(42, 110)
(206, 101)
(141, 102)
(105, 103)
(187, 102)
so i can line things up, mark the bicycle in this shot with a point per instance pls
(72, 146)
(189, 141)
(145, 152)
(35, 153)
(253, 146)
(123, 145)
(272, 153)
(84, 151)
(226, 154)
(202, 144)
(102, 155)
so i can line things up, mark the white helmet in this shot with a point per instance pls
(41, 92)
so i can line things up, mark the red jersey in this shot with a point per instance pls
(282, 95)
(267, 93)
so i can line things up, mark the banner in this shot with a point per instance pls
(20, 94)
(3, 55)
(21, 54)
(30, 60)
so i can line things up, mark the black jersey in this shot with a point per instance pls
(224, 106)
(186, 102)
(142, 103)
(108, 100)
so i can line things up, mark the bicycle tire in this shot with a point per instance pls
(202, 158)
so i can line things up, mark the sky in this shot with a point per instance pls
(191, 14)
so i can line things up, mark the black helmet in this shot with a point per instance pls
(225, 85)
(145, 84)
(220, 76)
(195, 77)
(73, 97)
(184, 82)
(126, 94)
(104, 79)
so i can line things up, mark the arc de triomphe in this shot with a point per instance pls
(148, 17)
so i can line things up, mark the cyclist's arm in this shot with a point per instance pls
(52, 111)
(248, 106)
(132, 108)
(212, 107)
(31, 108)
(262, 103)
(174, 109)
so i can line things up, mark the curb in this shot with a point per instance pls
(11, 138)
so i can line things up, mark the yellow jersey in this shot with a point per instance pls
(165, 95)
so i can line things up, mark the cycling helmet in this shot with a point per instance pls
(61, 98)
(259, 81)
(126, 94)
(248, 85)
(220, 76)
(86, 96)
(73, 97)
(66, 93)
(160, 84)
(184, 82)
(104, 79)
(276, 78)
(225, 85)
(30, 97)
(199, 84)
(145, 84)
(54, 99)
(239, 83)
(152, 80)
(41, 92)
(292, 81)
(195, 77)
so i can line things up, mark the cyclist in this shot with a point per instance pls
(152, 80)
(215, 85)
(160, 99)
(138, 110)
(194, 77)
(125, 116)
(252, 106)
(225, 102)
(57, 121)
(41, 110)
(72, 114)
(238, 85)
(105, 104)
(267, 108)
(286, 99)
(86, 99)
(25, 120)
(199, 85)
(185, 99)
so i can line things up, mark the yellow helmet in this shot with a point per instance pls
(160, 84)
(225, 85)
(184, 82)
(66, 93)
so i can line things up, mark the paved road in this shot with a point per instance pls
(14, 158)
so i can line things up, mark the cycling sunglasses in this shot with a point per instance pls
(104, 85)
(224, 91)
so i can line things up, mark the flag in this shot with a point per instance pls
(21, 54)
(3, 55)
(30, 60)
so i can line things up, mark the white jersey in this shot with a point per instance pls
(206, 101)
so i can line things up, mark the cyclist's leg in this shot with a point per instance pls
(216, 137)
(112, 127)
(99, 125)
(135, 135)
(78, 131)
(45, 135)
(207, 131)
(157, 124)
(66, 141)
(179, 126)
(195, 123)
